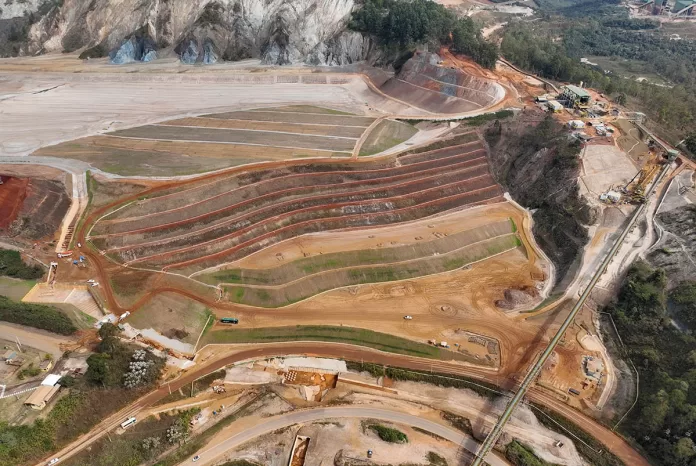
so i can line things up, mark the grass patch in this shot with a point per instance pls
(388, 434)
(15, 288)
(294, 285)
(435, 460)
(520, 454)
(460, 423)
(362, 337)
(514, 225)
(386, 134)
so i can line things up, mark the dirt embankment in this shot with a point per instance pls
(534, 160)
(31, 208)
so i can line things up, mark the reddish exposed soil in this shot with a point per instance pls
(236, 222)
(13, 191)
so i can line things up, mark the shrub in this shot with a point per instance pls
(36, 315)
(389, 434)
(12, 265)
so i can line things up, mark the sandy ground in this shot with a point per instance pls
(604, 167)
(389, 236)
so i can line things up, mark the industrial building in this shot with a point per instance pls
(576, 97)
(40, 397)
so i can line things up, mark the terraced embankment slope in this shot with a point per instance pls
(214, 141)
(226, 218)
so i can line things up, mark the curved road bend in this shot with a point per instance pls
(611, 440)
(216, 452)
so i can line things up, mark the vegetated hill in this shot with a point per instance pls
(662, 421)
(539, 166)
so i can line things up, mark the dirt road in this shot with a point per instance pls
(39, 339)
(215, 453)
(611, 440)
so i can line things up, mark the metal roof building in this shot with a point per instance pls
(577, 96)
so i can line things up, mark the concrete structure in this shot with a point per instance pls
(9, 355)
(46, 365)
(593, 367)
(576, 96)
(50, 380)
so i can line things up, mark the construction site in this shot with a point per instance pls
(319, 207)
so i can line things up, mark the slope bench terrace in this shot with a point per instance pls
(228, 217)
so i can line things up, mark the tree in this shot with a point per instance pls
(98, 368)
(690, 142)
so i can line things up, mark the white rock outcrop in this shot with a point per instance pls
(204, 31)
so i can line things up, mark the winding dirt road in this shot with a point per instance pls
(613, 442)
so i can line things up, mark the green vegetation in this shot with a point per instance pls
(520, 454)
(435, 378)
(662, 421)
(29, 371)
(389, 434)
(14, 288)
(362, 337)
(107, 386)
(298, 285)
(401, 26)
(35, 315)
(199, 441)
(530, 46)
(385, 135)
(144, 441)
(12, 265)
(435, 460)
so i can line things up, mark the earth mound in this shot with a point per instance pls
(426, 85)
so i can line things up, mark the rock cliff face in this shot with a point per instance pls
(202, 31)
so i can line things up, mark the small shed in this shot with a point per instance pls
(8, 355)
(576, 124)
(46, 365)
(554, 105)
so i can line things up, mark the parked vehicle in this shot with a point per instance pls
(196, 458)
(408, 317)
(229, 320)
(53, 461)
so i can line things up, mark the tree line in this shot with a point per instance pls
(35, 315)
(403, 25)
(531, 47)
(664, 419)
(12, 265)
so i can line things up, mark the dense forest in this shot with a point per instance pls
(664, 419)
(403, 25)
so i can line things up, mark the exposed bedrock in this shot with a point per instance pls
(277, 31)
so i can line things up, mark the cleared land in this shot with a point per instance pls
(173, 316)
(255, 138)
(192, 145)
